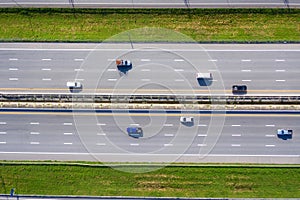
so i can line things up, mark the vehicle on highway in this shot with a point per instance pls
(123, 63)
(284, 133)
(186, 119)
(135, 132)
(74, 85)
(204, 76)
(239, 89)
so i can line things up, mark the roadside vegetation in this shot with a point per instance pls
(205, 25)
(172, 181)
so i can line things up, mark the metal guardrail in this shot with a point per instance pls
(160, 99)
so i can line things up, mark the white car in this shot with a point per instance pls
(186, 119)
(74, 85)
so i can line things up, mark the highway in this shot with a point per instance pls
(153, 3)
(157, 68)
(214, 137)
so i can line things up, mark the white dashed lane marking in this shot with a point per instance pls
(13, 59)
(178, 60)
(46, 79)
(246, 60)
(145, 70)
(68, 133)
(168, 145)
(111, 70)
(280, 80)
(235, 145)
(235, 125)
(269, 145)
(202, 135)
(246, 80)
(34, 133)
(270, 135)
(134, 144)
(236, 135)
(68, 124)
(101, 124)
(178, 70)
(213, 60)
(34, 143)
(145, 79)
(111, 59)
(179, 80)
(2, 142)
(13, 69)
(246, 70)
(101, 144)
(78, 70)
(46, 69)
(46, 59)
(145, 60)
(168, 125)
(169, 135)
(280, 70)
(34, 123)
(201, 145)
(279, 60)
(202, 125)
(270, 125)
(112, 79)
(68, 143)
(13, 79)
(102, 134)
(3, 133)
(78, 59)
(2, 123)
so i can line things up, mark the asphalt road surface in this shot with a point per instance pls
(153, 3)
(157, 68)
(217, 137)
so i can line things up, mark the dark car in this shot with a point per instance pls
(135, 132)
(239, 89)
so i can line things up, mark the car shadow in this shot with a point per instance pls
(205, 81)
(285, 137)
(189, 124)
(239, 92)
(76, 90)
(124, 70)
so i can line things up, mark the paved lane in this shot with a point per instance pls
(102, 136)
(153, 3)
(157, 68)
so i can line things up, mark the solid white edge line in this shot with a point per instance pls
(140, 154)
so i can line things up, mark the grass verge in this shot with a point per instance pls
(244, 25)
(172, 181)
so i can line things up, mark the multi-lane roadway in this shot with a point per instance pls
(157, 68)
(153, 3)
(217, 137)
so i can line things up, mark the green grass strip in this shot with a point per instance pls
(202, 25)
(86, 178)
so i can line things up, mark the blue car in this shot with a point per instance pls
(135, 132)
